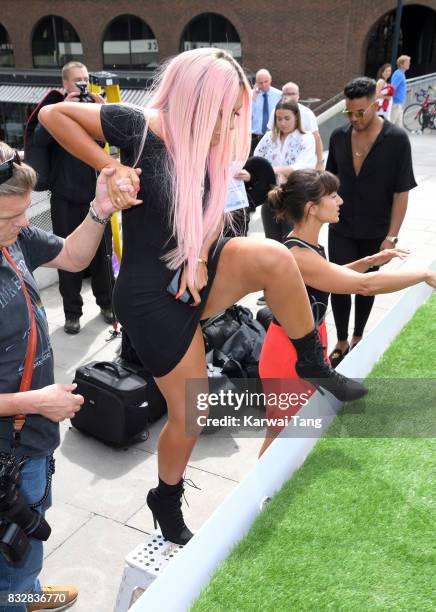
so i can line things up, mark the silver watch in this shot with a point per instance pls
(393, 239)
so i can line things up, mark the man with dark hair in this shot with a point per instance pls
(72, 184)
(373, 161)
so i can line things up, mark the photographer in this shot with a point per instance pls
(27, 385)
(72, 186)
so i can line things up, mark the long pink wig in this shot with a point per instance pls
(195, 88)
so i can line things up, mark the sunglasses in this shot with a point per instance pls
(358, 114)
(7, 167)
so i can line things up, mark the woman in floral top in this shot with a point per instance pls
(287, 147)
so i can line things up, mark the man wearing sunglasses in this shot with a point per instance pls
(373, 161)
(41, 404)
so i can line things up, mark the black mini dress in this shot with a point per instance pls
(160, 327)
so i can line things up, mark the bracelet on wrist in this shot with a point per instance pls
(203, 261)
(94, 216)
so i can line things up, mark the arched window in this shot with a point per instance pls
(417, 39)
(129, 44)
(6, 49)
(211, 30)
(55, 42)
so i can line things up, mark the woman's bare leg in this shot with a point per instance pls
(174, 445)
(247, 265)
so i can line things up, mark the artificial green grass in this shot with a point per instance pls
(354, 528)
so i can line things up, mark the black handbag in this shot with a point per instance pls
(115, 410)
(235, 335)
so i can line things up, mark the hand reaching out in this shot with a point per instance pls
(386, 255)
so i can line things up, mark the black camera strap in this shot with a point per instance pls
(50, 472)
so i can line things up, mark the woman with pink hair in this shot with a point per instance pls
(197, 120)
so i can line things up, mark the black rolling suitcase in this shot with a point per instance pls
(116, 408)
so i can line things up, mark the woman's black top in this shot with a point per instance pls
(160, 327)
(318, 299)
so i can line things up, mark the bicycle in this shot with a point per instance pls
(417, 117)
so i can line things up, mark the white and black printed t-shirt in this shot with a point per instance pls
(33, 248)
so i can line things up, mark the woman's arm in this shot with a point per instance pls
(321, 274)
(201, 275)
(378, 259)
(76, 127)
(263, 147)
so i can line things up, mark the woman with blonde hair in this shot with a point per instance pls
(287, 147)
(196, 121)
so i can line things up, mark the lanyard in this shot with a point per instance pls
(26, 379)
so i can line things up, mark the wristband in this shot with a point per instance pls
(94, 216)
(203, 261)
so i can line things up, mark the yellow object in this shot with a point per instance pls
(116, 236)
(111, 84)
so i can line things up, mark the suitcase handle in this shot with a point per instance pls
(108, 365)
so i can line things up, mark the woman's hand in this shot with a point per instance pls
(243, 175)
(122, 198)
(102, 202)
(201, 277)
(98, 99)
(383, 257)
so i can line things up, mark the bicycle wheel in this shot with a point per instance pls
(432, 113)
(412, 118)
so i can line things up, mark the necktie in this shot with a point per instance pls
(265, 112)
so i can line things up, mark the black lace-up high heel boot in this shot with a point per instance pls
(312, 365)
(165, 503)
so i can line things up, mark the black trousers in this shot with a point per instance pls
(65, 217)
(255, 139)
(343, 250)
(277, 230)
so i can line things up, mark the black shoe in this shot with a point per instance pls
(312, 365)
(72, 326)
(336, 356)
(107, 315)
(167, 511)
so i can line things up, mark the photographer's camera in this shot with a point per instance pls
(84, 95)
(18, 521)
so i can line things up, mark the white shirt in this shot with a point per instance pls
(274, 96)
(308, 119)
(298, 150)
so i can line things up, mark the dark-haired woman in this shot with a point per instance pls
(309, 199)
(384, 91)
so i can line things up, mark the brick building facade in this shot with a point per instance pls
(320, 44)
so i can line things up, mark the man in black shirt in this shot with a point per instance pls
(72, 186)
(373, 161)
